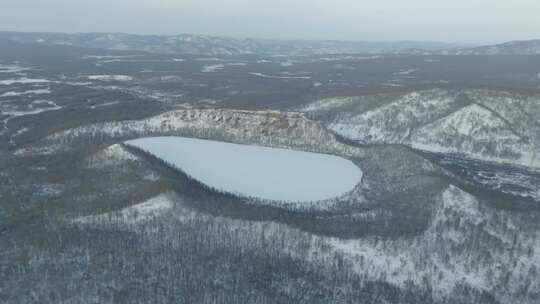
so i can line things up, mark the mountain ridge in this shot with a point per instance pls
(187, 43)
(216, 45)
(410, 119)
(515, 47)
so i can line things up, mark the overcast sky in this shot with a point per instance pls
(471, 21)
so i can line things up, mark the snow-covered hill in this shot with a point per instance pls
(525, 47)
(266, 128)
(482, 124)
(518, 47)
(466, 244)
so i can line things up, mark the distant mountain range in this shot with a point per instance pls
(222, 46)
(525, 47)
(216, 46)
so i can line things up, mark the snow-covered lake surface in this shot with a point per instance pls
(267, 173)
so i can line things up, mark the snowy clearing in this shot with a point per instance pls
(212, 68)
(28, 92)
(23, 80)
(267, 173)
(110, 77)
(278, 77)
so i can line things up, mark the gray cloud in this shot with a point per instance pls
(476, 21)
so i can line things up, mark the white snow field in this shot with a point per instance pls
(110, 77)
(27, 92)
(266, 173)
(23, 80)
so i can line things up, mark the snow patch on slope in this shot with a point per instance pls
(212, 68)
(135, 214)
(469, 121)
(114, 155)
(328, 104)
(464, 204)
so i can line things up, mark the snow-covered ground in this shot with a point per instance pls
(405, 72)
(114, 155)
(23, 80)
(212, 68)
(144, 211)
(267, 173)
(12, 68)
(278, 77)
(27, 92)
(110, 77)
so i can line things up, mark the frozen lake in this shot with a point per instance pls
(267, 173)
